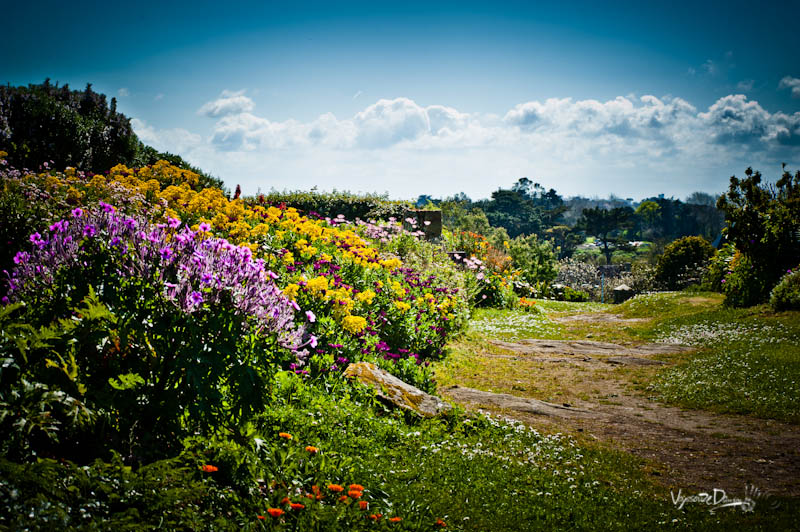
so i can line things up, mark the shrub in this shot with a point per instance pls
(786, 295)
(683, 261)
(718, 267)
(742, 285)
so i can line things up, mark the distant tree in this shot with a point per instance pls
(607, 225)
(564, 240)
(648, 219)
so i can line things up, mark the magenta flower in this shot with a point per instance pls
(205, 227)
(196, 298)
(311, 317)
(174, 223)
(89, 231)
(77, 212)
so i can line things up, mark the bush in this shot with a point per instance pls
(743, 285)
(683, 261)
(786, 295)
(332, 204)
(718, 267)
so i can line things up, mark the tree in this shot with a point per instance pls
(763, 222)
(607, 225)
(564, 239)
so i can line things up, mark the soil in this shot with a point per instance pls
(691, 450)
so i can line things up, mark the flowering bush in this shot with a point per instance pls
(786, 295)
(157, 328)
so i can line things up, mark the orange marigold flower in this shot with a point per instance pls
(336, 488)
(355, 494)
(274, 512)
(261, 517)
(440, 523)
(285, 500)
(311, 449)
(357, 487)
(395, 519)
(209, 468)
(297, 506)
(363, 505)
(343, 498)
(285, 435)
(375, 517)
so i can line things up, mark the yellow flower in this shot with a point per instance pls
(291, 291)
(353, 324)
(317, 284)
(366, 296)
(402, 305)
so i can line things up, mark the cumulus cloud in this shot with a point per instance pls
(407, 144)
(789, 82)
(228, 103)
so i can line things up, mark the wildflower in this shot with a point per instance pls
(274, 512)
(107, 208)
(343, 498)
(77, 212)
(313, 342)
(376, 517)
(285, 500)
(395, 519)
(174, 223)
(261, 517)
(297, 506)
(440, 523)
(336, 488)
(363, 505)
(354, 324)
(165, 252)
(89, 231)
(196, 297)
(204, 227)
(357, 487)
(35, 238)
(311, 317)
(21, 257)
(207, 468)
(354, 494)
(285, 435)
(311, 449)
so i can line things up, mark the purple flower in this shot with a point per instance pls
(272, 275)
(36, 238)
(196, 297)
(204, 227)
(60, 226)
(313, 342)
(107, 208)
(294, 304)
(206, 278)
(116, 241)
(174, 223)
(77, 212)
(89, 231)
(310, 316)
(165, 252)
(21, 257)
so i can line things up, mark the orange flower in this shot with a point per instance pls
(440, 523)
(275, 512)
(285, 435)
(209, 468)
(336, 488)
(357, 487)
(261, 517)
(285, 500)
(363, 505)
(343, 498)
(355, 494)
(311, 449)
(297, 506)
(395, 519)
(376, 517)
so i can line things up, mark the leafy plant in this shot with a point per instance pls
(683, 262)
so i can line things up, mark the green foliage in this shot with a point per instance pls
(533, 258)
(608, 226)
(683, 261)
(786, 295)
(744, 284)
(332, 204)
(718, 267)
(763, 224)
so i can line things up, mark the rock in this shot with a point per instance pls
(394, 391)
(511, 402)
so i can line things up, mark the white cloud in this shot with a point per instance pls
(638, 146)
(789, 82)
(123, 92)
(228, 103)
(745, 85)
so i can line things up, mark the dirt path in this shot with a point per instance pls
(685, 449)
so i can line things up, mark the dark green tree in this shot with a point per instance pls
(763, 222)
(608, 226)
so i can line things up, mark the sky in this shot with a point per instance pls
(589, 98)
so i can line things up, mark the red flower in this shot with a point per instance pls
(357, 487)
(209, 468)
(336, 488)
(395, 519)
(440, 523)
(311, 449)
(355, 494)
(274, 512)
(363, 505)
(297, 506)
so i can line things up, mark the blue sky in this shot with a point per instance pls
(589, 98)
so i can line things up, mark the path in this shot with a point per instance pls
(685, 449)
